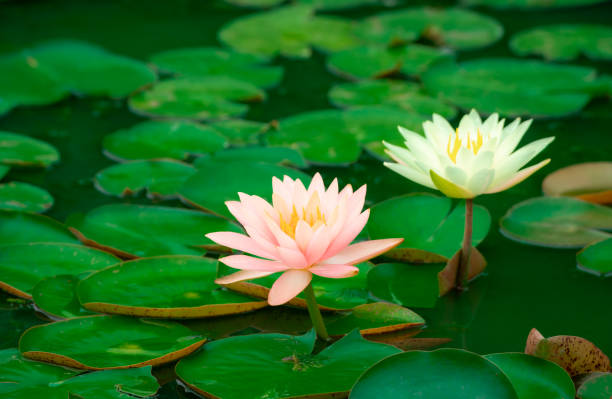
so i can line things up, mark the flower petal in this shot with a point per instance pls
(245, 262)
(334, 271)
(518, 177)
(292, 257)
(411, 174)
(288, 286)
(351, 230)
(241, 276)
(449, 188)
(363, 251)
(239, 242)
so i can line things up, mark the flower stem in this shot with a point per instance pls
(315, 313)
(466, 248)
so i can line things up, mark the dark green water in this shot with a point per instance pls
(524, 286)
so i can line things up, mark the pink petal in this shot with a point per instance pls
(249, 220)
(239, 242)
(292, 257)
(351, 230)
(363, 251)
(303, 235)
(280, 236)
(250, 263)
(316, 184)
(288, 286)
(334, 271)
(241, 276)
(318, 245)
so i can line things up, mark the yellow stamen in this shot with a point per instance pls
(311, 214)
(474, 145)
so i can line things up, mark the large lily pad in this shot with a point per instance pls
(565, 42)
(274, 155)
(22, 227)
(433, 236)
(514, 87)
(405, 95)
(534, 378)
(109, 342)
(212, 97)
(596, 258)
(140, 230)
(280, 366)
(217, 182)
(162, 139)
(161, 178)
(590, 181)
(15, 196)
(24, 265)
(532, 3)
(56, 297)
(377, 61)
(167, 286)
(557, 222)
(452, 27)
(24, 379)
(19, 150)
(434, 375)
(212, 61)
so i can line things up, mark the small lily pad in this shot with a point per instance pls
(20, 150)
(431, 237)
(240, 132)
(162, 139)
(369, 62)
(213, 61)
(22, 266)
(176, 287)
(558, 222)
(595, 386)
(273, 155)
(565, 42)
(527, 4)
(109, 342)
(199, 98)
(373, 319)
(22, 228)
(56, 297)
(139, 230)
(280, 366)
(15, 196)
(161, 178)
(596, 258)
(590, 181)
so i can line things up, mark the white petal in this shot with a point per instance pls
(411, 173)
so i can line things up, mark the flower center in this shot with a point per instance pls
(310, 214)
(453, 146)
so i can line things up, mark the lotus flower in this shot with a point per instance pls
(475, 158)
(303, 232)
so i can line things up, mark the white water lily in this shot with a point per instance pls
(475, 158)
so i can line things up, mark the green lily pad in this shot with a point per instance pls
(22, 228)
(590, 181)
(272, 155)
(434, 375)
(373, 318)
(212, 97)
(218, 182)
(175, 287)
(4, 169)
(596, 258)
(452, 27)
(431, 237)
(24, 265)
(290, 31)
(514, 87)
(370, 62)
(15, 196)
(595, 386)
(405, 95)
(240, 132)
(161, 178)
(162, 139)
(558, 222)
(255, 3)
(565, 42)
(279, 366)
(338, 4)
(19, 150)
(108, 342)
(56, 297)
(532, 3)
(534, 378)
(212, 61)
(139, 230)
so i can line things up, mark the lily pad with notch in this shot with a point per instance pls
(240, 132)
(16, 196)
(21, 150)
(56, 297)
(24, 227)
(590, 181)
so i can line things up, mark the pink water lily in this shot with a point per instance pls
(304, 231)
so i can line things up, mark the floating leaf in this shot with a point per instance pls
(255, 3)
(273, 155)
(565, 42)
(433, 236)
(161, 178)
(369, 62)
(22, 227)
(532, 3)
(590, 181)
(4, 169)
(534, 378)
(166, 286)
(575, 354)
(280, 366)
(56, 296)
(372, 319)
(213, 97)
(405, 284)
(19, 150)
(213, 61)
(434, 375)
(514, 87)
(557, 222)
(240, 132)
(108, 342)
(162, 139)
(138, 230)
(15, 196)
(339, 4)
(595, 386)
(452, 27)
(596, 258)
